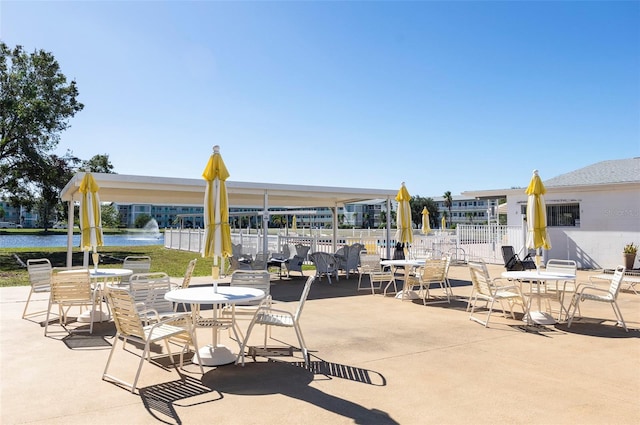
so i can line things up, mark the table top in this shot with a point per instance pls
(105, 272)
(536, 275)
(399, 263)
(224, 295)
(110, 272)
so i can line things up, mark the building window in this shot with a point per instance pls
(561, 215)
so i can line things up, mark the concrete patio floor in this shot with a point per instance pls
(375, 360)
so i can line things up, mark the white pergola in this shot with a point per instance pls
(133, 189)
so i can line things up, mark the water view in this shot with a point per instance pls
(28, 241)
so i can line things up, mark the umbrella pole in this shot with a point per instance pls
(96, 258)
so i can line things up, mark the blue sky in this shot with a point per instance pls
(446, 96)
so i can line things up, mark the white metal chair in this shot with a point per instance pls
(257, 279)
(39, 271)
(136, 263)
(558, 289)
(130, 326)
(349, 258)
(485, 289)
(148, 291)
(70, 287)
(590, 291)
(433, 272)
(260, 261)
(370, 266)
(268, 316)
(297, 260)
(186, 280)
(326, 265)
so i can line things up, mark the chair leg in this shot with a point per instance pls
(574, 303)
(303, 346)
(240, 357)
(46, 323)
(618, 313)
(144, 354)
(24, 312)
(489, 313)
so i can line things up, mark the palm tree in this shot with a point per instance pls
(448, 202)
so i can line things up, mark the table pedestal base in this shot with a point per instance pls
(540, 318)
(407, 295)
(93, 316)
(215, 356)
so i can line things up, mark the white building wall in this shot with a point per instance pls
(609, 219)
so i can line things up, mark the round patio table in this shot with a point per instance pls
(214, 354)
(538, 278)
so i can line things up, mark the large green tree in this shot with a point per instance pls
(98, 164)
(36, 103)
(417, 204)
(448, 203)
(55, 175)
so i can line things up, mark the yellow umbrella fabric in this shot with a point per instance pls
(537, 236)
(217, 239)
(443, 222)
(90, 216)
(404, 234)
(294, 225)
(426, 227)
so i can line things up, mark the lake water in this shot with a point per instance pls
(28, 241)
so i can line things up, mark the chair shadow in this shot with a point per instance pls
(161, 399)
(597, 328)
(292, 379)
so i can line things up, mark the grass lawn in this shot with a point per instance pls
(170, 261)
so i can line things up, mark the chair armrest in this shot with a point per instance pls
(171, 320)
(585, 287)
(274, 310)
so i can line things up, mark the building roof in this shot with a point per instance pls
(123, 188)
(601, 175)
(603, 172)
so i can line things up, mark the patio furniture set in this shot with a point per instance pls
(147, 309)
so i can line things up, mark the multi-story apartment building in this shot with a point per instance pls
(19, 215)
(466, 210)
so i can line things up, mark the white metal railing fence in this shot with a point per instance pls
(484, 242)
(464, 243)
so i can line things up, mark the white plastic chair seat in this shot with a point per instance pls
(269, 316)
(370, 265)
(488, 290)
(275, 318)
(130, 327)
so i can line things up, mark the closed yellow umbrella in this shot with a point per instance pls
(294, 225)
(90, 217)
(426, 227)
(443, 222)
(537, 236)
(217, 239)
(404, 234)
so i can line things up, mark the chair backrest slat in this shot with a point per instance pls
(252, 279)
(616, 281)
(39, 271)
(561, 266)
(68, 285)
(150, 288)
(125, 313)
(137, 263)
(480, 278)
(189, 273)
